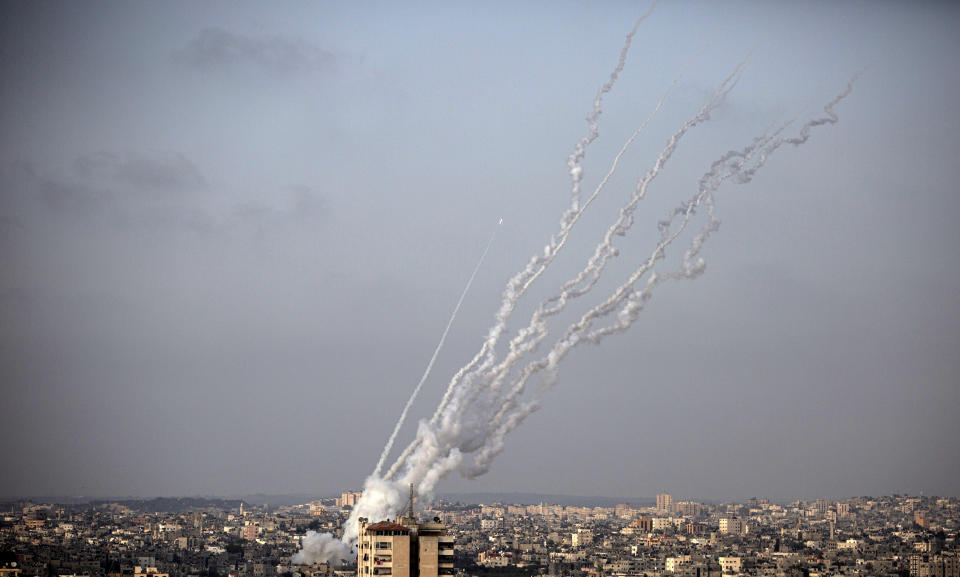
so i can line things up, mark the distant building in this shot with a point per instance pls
(662, 523)
(581, 538)
(944, 565)
(349, 498)
(731, 526)
(694, 528)
(820, 507)
(689, 508)
(140, 571)
(250, 532)
(665, 503)
(643, 523)
(730, 565)
(494, 559)
(674, 564)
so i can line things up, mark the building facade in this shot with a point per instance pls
(404, 548)
(665, 503)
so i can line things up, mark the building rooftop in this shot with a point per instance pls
(387, 526)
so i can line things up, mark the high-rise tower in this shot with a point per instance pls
(404, 548)
(665, 503)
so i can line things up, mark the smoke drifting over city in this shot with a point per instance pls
(491, 396)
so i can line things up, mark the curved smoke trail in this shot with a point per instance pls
(433, 359)
(487, 399)
(529, 337)
(479, 416)
(520, 282)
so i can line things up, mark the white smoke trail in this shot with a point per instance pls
(433, 359)
(603, 182)
(528, 338)
(729, 165)
(830, 118)
(462, 386)
(474, 389)
(468, 427)
(580, 150)
(519, 284)
(487, 400)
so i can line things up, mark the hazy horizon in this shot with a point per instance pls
(472, 497)
(231, 236)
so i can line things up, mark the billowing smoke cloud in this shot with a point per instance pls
(488, 398)
(319, 547)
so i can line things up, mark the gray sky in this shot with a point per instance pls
(231, 235)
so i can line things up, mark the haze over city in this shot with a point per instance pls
(232, 235)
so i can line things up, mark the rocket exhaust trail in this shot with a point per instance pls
(728, 165)
(478, 418)
(489, 397)
(529, 337)
(575, 333)
(433, 359)
(580, 150)
(520, 282)
(732, 164)
(613, 168)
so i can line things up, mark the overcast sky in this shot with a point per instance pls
(232, 233)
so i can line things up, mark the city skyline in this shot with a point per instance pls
(230, 237)
(892, 536)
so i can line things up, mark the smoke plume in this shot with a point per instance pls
(321, 547)
(433, 359)
(490, 396)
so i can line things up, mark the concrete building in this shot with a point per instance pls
(945, 565)
(250, 532)
(665, 503)
(731, 526)
(673, 564)
(581, 538)
(349, 498)
(662, 523)
(404, 548)
(643, 523)
(730, 565)
(489, 524)
(689, 508)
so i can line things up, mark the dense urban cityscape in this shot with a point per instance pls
(894, 535)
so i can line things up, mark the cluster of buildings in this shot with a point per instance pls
(890, 536)
(205, 538)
